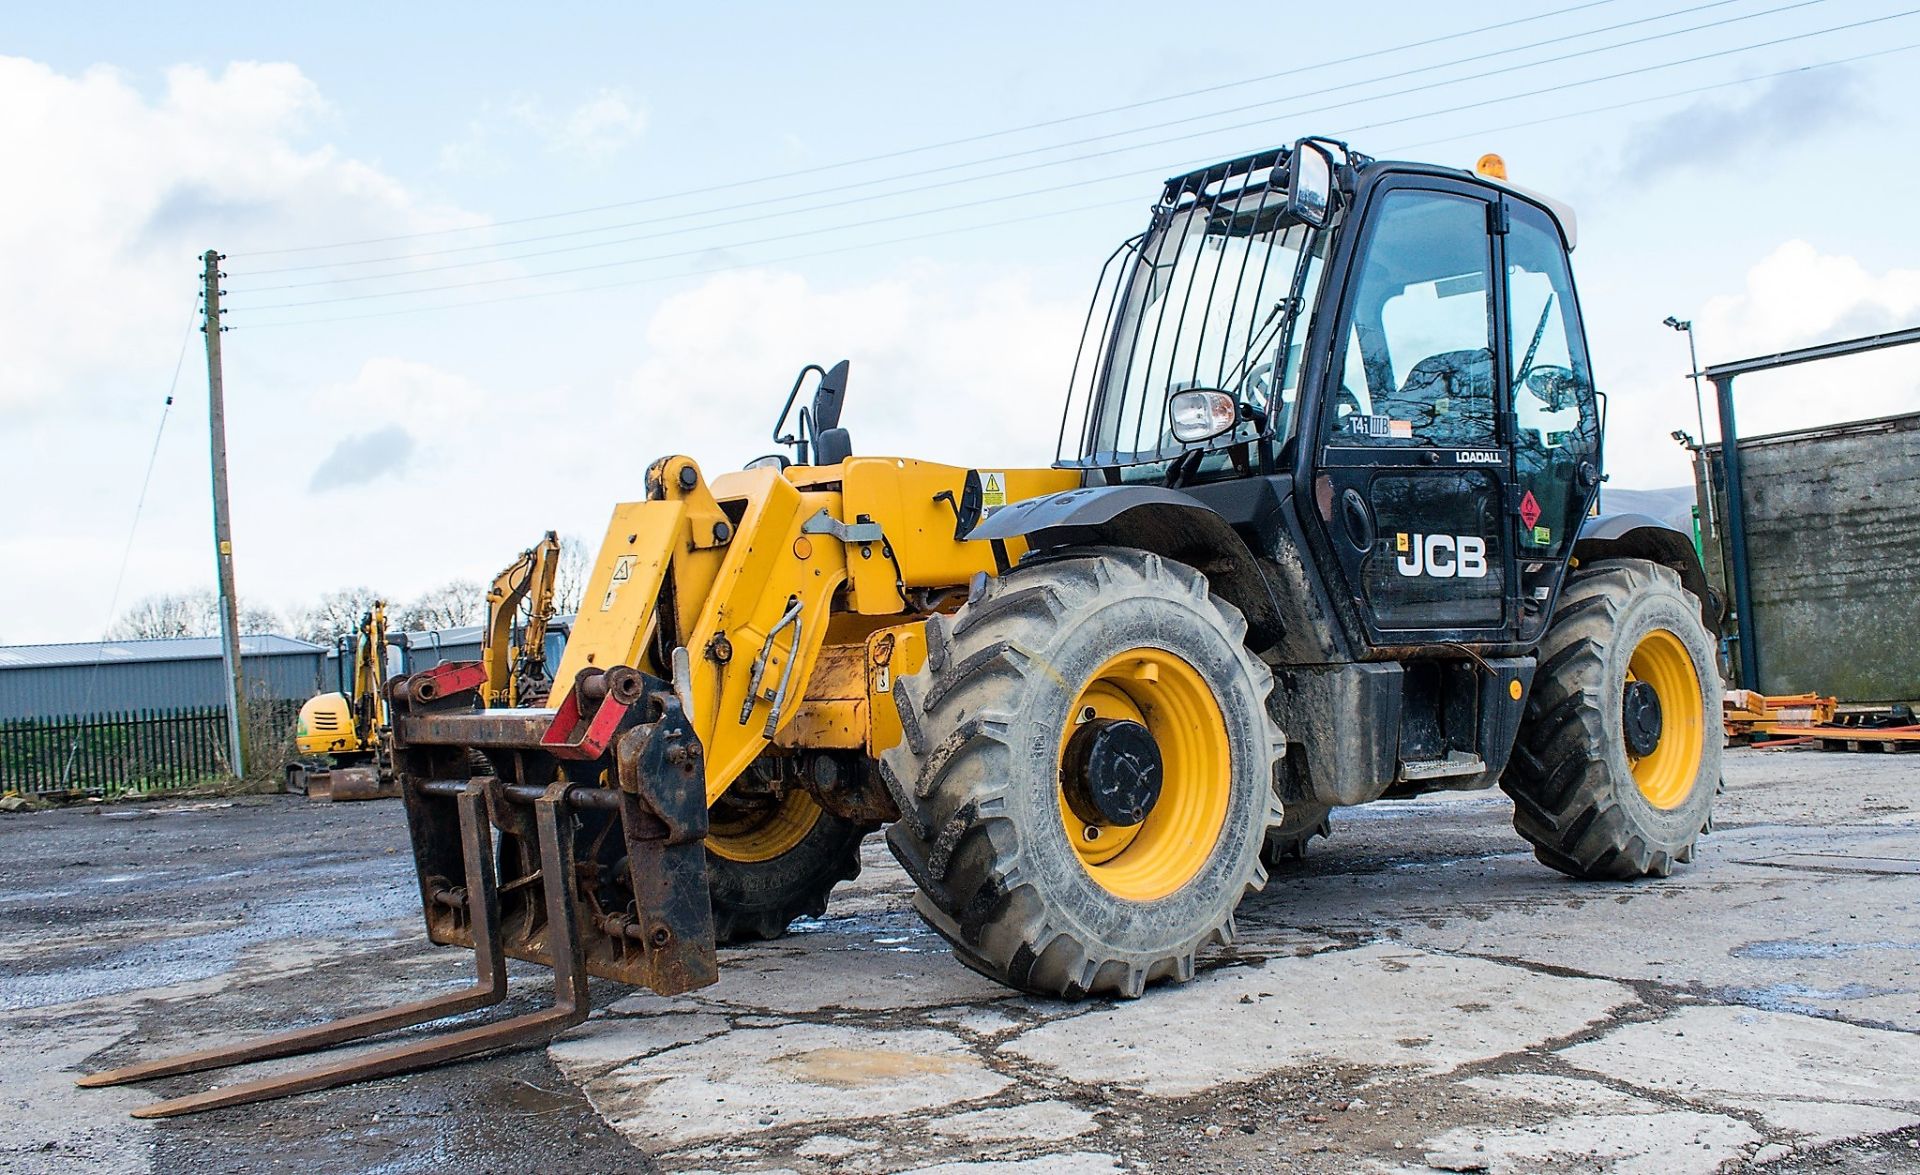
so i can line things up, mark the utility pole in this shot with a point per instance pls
(222, 517)
(1700, 415)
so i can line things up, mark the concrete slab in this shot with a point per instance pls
(837, 970)
(1707, 929)
(1376, 1005)
(607, 1042)
(1715, 1050)
(1048, 1121)
(1668, 1142)
(753, 1079)
(1820, 1123)
(48, 1124)
(268, 913)
(1076, 1163)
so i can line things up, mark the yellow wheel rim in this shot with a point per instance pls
(739, 833)
(1163, 852)
(1665, 775)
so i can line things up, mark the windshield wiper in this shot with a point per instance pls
(1282, 312)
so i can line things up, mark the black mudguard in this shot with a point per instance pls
(1148, 518)
(1642, 536)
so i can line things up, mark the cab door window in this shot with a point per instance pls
(1556, 423)
(1417, 363)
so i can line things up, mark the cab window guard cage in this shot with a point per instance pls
(1207, 297)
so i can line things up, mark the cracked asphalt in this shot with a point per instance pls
(1417, 994)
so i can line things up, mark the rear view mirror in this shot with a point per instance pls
(1310, 184)
(1202, 414)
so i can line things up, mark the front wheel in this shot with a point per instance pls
(1618, 757)
(1086, 775)
(773, 859)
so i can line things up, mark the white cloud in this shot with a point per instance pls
(945, 367)
(1795, 296)
(111, 196)
(597, 129)
(602, 125)
(113, 190)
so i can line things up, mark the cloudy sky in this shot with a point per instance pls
(485, 267)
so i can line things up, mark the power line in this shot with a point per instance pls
(1133, 201)
(962, 141)
(133, 529)
(597, 266)
(1477, 59)
(629, 282)
(1668, 96)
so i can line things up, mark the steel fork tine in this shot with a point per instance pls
(489, 986)
(571, 1000)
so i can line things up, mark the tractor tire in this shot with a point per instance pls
(1618, 757)
(1288, 842)
(767, 868)
(1058, 655)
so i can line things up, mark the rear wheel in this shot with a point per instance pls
(1086, 775)
(1302, 822)
(772, 860)
(1618, 758)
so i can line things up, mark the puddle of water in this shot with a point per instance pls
(1803, 1000)
(1788, 949)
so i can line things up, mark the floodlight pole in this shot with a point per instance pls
(222, 518)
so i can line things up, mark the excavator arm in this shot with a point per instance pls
(517, 672)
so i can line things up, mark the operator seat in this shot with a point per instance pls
(832, 446)
(1448, 397)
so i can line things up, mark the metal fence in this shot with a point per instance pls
(117, 754)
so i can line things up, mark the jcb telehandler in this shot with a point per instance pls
(1318, 533)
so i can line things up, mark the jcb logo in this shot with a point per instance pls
(1442, 556)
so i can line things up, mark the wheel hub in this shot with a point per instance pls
(1112, 774)
(1641, 720)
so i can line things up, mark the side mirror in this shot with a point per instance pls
(1201, 414)
(1310, 184)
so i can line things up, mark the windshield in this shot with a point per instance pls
(1208, 298)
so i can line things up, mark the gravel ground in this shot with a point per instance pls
(1417, 994)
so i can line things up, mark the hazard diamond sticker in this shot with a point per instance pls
(1529, 510)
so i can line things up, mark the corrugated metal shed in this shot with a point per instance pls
(113, 677)
(410, 652)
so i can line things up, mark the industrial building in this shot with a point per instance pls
(119, 677)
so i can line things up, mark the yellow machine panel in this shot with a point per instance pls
(617, 611)
(325, 727)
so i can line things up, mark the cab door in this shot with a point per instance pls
(1412, 466)
(1556, 420)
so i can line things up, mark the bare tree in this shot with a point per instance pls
(168, 614)
(334, 614)
(451, 605)
(570, 575)
(178, 614)
(255, 620)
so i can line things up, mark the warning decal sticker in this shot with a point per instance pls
(993, 491)
(622, 572)
(1529, 510)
